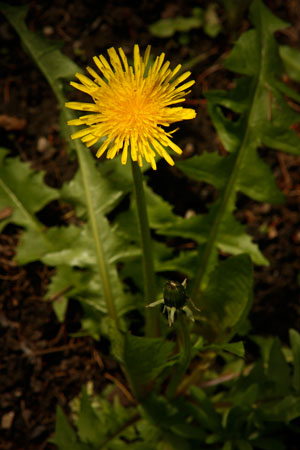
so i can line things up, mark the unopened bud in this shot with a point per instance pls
(174, 294)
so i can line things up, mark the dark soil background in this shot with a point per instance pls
(41, 365)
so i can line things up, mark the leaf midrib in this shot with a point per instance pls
(229, 188)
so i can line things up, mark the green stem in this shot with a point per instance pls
(225, 199)
(211, 242)
(103, 271)
(185, 354)
(81, 155)
(152, 324)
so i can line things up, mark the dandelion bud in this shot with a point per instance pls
(174, 294)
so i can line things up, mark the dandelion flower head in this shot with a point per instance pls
(131, 105)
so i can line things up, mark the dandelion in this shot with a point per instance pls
(175, 299)
(131, 105)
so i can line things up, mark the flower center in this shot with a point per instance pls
(132, 110)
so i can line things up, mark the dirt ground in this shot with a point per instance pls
(41, 364)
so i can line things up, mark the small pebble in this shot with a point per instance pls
(189, 213)
(42, 144)
(7, 420)
(48, 31)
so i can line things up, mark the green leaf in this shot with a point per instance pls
(85, 286)
(23, 190)
(145, 358)
(243, 445)
(291, 60)
(278, 370)
(205, 413)
(105, 191)
(295, 344)
(65, 437)
(226, 298)
(227, 446)
(264, 19)
(168, 27)
(268, 444)
(189, 432)
(245, 57)
(161, 412)
(283, 410)
(257, 181)
(159, 210)
(209, 167)
(253, 114)
(236, 348)
(212, 23)
(247, 398)
(231, 237)
(236, 420)
(89, 425)
(184, 263)
(255, 177)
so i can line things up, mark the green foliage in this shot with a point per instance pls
(142, 370)
(100, 424)
(168, 27)
(228, 297)
(261, 117)
(24, 203)
(208, 19)
(212, 25)
(88, 246)
(291, 60)
(253, 412)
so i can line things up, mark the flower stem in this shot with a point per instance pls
(101, 261)
(185, 354)
(83, 162)
(152, 324)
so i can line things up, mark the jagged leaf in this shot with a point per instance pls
(205, 413)
(283, 410)
(263, 117)
(255, 177)
(85, 285)
(105, 191)
(65, 437)
(278, 370)
(231, 237)
(44, 54)
(291, 60)
(209, 167)
(143, 369)
(236, 348)
(89, 425)
(226, 298)
(167, 27)
(23, 190)
(295, 344)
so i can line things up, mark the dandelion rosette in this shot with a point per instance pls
(131, 105)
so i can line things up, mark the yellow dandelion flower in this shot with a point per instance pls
(131, 105)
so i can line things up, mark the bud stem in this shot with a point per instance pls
(152, 324)
(185, 354)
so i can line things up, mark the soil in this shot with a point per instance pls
(42, 365)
